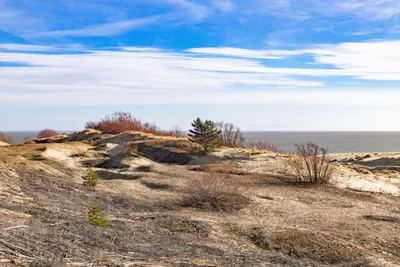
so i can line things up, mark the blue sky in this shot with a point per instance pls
(261, 64)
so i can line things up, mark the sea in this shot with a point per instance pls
(336, 142)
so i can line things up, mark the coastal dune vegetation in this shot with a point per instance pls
(123, 192)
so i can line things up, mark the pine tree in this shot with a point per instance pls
(204, 133)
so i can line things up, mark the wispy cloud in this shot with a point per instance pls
(106, 29)
(198, 11)
(24, 47)
(224, 5)
(246, 53)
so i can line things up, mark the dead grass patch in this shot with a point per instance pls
(155, 186)
(221, 167)
(180, 225)
(216, 192)
(308, 244)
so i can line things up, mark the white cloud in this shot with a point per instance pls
(107, 29)
(147, 75)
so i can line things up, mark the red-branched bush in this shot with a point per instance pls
(46, 133)
(262, 145)
(120, 122)
(6, 138)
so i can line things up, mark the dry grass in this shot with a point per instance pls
(308, 244)
(45, 213)
(216, 192)
(221, 167)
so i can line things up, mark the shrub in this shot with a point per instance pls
(92, 125)
(176, 131)
(120, 122)
(230, 136)
(262, 145)
(91, 178)
(46, 133)
(97, 216)
(216, 192)
(311, 163)
(6, 138)
(204, 133)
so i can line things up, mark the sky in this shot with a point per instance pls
(288, 65)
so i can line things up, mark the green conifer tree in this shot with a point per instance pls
(204, 133)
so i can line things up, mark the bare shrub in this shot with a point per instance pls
(176, 131)
(262, 145)
(6, 138)
(216, 192)
(231, 135)
(311, 164)
(46, 133)
(92, 125)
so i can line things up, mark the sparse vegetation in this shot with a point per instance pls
(216, 192)
(311, 164)
(97, 216)
(6, 138)
(46, 133)
(231, 135)
(120, 122)
(262, 145)
(220, 167)
(91, 178)
(204, 133)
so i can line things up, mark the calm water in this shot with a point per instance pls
(336, 142)
(20, 136)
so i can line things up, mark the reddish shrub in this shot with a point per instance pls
(6, 138)
(262, 145)
(46, 133)
(120, 122)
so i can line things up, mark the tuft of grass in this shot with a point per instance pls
(97, 217)
(91, 178)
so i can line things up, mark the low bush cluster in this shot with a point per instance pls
(120, 122)
(46, 133)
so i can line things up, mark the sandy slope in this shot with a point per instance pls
(43, 209)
